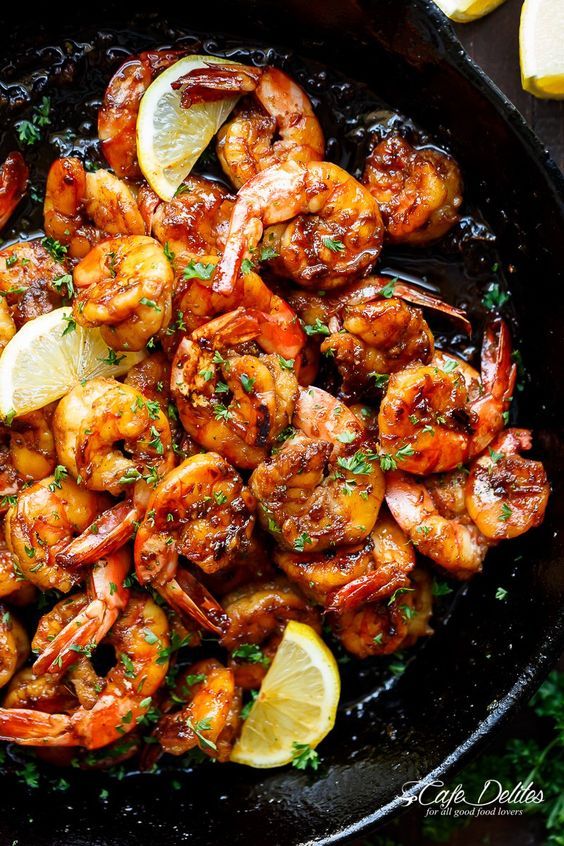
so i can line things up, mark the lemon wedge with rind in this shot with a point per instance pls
(296, 704)
(170, 139)
(464, 11)
(48, 357)
(540, 47)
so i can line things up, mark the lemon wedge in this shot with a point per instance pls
(48, 357)
(296, 704)
(170, 139)
(464, 11)
(540, 47)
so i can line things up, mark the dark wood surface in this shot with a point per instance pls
(493, 43)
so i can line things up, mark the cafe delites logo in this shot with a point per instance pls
(492, 799)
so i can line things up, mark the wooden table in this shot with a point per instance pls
(493, 43)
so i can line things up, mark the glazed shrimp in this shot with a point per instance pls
(32, 444)
(398, 618)
(208, 688)
(81, 208)
(234, 404)
(341, 578)
(433, 418)
(507, 494)
(419, 191)
(42, 523)
(42, 693)
(433, 514)
(139, 637)
(195, 303)
(200, 510)
(28, 281)
(14, 175)
(106, 598)
(117, 118)
(322, 488)
(193, 224)
(337, 233)
(14, 645)
(125, 288)
(258, 614)
(246, 145)
(7, 325)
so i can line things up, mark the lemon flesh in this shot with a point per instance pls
(540, 46)
(297, 701)
(464, 11)
(40, 364)
(170, 139)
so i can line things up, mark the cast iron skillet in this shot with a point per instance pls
(487, 655)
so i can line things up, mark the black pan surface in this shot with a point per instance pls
(487, 655)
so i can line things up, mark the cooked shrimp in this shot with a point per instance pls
(41, 524)
(419, 191)
(117, 119)
(105, 599)
(127, 286)
(32, 445)
(433, 514)
(399, 618)
(195, 303)
(258, 614)
(139, 637)
(7, 325)
(28, 281)
(107, 434)
(432, 419)
(507, 494)
(42, 693)
(336, 235)
(234, 404)
(200, 510)
(14, 175)
(341, 578)
(193, 224)
(208, 688)
(14, 645)
(246, 144)
(323, 488)
(81, 208)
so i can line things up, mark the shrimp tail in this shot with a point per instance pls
(190, 598)
(109, 532)
(498, 371)
(415, 295)
(370, 588)
(87, 628)
(213, 82)
(35, 728)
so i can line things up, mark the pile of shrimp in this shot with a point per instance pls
(229, 483)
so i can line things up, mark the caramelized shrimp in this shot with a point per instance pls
(81, 208)
(339, 578)
(28, 281)
(7, 325)
(433, 418)
(42, 693)
(14, 645)
(117, 119)
(235, 404)
(105, 599)
(208, 689)
(419, 191)
(336, 235)
(399, 618)
(433, 514)
(323, 487)
(42, 523)
(507, 494)
(14, 175)
(193, 224)
(246, 144)
(139, 637)
(32, 445)
(126, 286)
(200, 510)
(258, 614)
